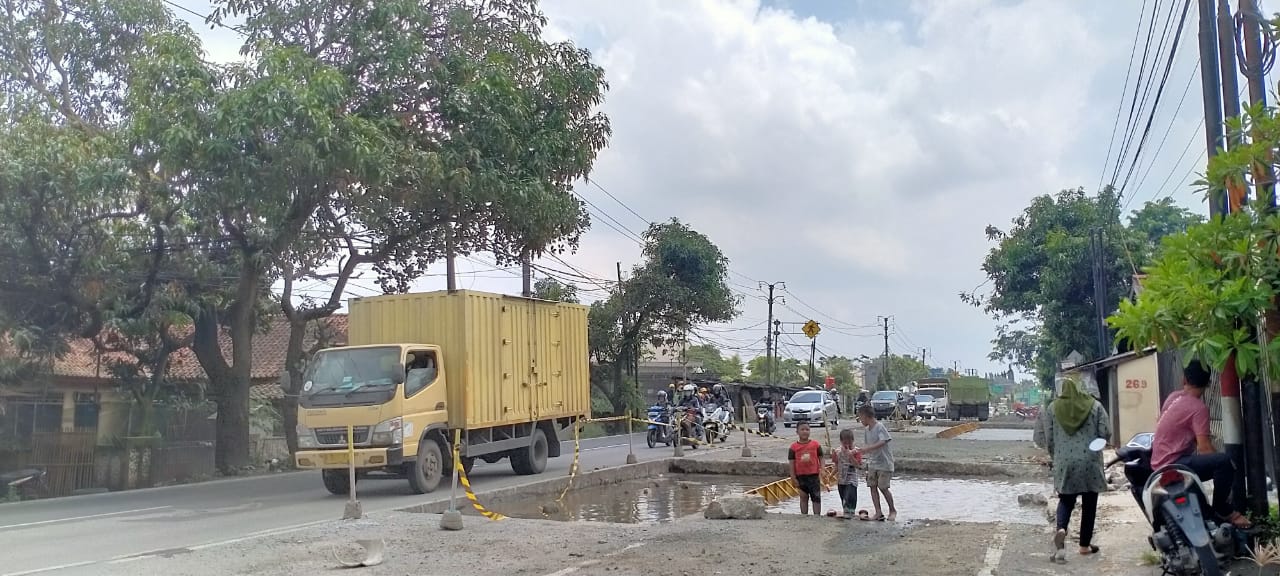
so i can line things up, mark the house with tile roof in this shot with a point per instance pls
(77, 395)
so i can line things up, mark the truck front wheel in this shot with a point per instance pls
(427, 469)
(531, 460)
(337, 482)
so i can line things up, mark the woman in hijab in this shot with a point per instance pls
(1073, 421)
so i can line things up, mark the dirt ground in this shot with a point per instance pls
(691, 545)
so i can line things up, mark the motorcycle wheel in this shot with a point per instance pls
(1208, 561)
(651, 438)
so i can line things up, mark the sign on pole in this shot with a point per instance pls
(811, 329)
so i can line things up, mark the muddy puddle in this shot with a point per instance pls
(957, 500)
(669, 497)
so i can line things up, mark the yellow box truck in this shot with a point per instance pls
(510, 373)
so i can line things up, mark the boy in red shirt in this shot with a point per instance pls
(806, 465)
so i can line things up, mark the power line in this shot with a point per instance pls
(1124, 89)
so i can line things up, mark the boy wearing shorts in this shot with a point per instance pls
(847, 460)
(878, 458)
(806, 465)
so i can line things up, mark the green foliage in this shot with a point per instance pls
(1208, 289)
(549, 288)
(786, 371)
(714, 364)
(1041, 278)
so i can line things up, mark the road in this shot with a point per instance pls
(59, 535)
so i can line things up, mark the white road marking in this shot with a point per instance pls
(994, 552)
(52, 568)
(89, 517)
(590, 563)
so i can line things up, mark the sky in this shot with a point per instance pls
(853, 149)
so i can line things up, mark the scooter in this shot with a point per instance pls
(659, 433)
(764, 418)
(26, 484)
(1184, 532)
(717, 424)
(690, 425)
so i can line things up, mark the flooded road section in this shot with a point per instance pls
(669, 497)
(956, 500)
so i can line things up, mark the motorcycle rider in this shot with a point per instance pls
(719, 397)
(689, 401)
(1182, 437)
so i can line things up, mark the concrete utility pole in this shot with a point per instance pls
(769, 329)
(924, 353)
(1253, 393)
(1097, 253)
(884, 370)
(1210, 83)
(1219, 206)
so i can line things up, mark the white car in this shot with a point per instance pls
(810, 406)
(924, 406)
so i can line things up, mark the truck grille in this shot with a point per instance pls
(338, 436)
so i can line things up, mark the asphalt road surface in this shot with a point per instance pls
(51, 536)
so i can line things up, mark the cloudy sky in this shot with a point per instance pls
(854, 149)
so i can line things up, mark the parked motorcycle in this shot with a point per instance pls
(659, 433)
(1184, 532)
(26, 484)
(717, 424)
(764, 418)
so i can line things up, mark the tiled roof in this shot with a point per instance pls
(84, 361)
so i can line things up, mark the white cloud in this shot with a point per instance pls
(857, 159)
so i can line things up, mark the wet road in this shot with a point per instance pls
(53, 535)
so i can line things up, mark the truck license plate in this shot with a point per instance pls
(335, 458)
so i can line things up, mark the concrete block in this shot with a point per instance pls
(451, 520)
(735, 507)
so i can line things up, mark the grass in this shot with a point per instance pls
(1150, 558)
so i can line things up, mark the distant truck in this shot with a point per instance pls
(937, 388)
(510, 374)
(969, 397)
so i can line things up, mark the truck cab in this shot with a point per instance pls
(394, 399)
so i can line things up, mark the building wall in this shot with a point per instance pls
(1137, 393)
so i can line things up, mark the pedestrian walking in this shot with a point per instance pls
(1074, 420)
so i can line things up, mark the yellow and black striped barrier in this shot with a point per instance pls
(461, 471)
(786, 488)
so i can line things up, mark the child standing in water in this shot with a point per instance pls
(847, 459)
(806, 465)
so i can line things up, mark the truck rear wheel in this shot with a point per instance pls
(531, 460)
(336, 482)
(427, 469)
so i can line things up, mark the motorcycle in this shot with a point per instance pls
(717, 424)
(659, 433)
(764, 418)
(26, 484)
(1184, 532)
(690, 425)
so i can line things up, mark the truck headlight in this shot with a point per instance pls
(388, 433)
(306, 439)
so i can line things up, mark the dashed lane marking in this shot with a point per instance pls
(994, 552)
(88, 517)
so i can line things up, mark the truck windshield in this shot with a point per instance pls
(351, 369)
(935, 392)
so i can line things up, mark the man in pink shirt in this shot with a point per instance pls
(1182, 437)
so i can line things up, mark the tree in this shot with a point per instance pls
(714, 363)
(682, 282)
(549, 288)
(1041, 278)
(842, 369)
(786, 372)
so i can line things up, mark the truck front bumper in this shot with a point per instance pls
(338, 458)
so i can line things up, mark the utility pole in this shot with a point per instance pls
(1264, 190)
(1097, 253)
(884, 372)
(769, 329)
(1210, 83)
(924, 353)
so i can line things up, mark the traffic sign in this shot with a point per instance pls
(811, 329)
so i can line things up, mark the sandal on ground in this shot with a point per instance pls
(1058, 556)
(864, 516)
(880, 518)
(1088, 550)
(1239, 521)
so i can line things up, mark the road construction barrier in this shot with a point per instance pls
(957, 430)
(786, 488)
(460, 470)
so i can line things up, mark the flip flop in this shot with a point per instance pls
(1092, 550)
(864, 516)
(880, 518)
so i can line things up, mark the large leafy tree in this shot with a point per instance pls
(1040, 273)
(548, 288)
(682, 282)
(714, 363)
